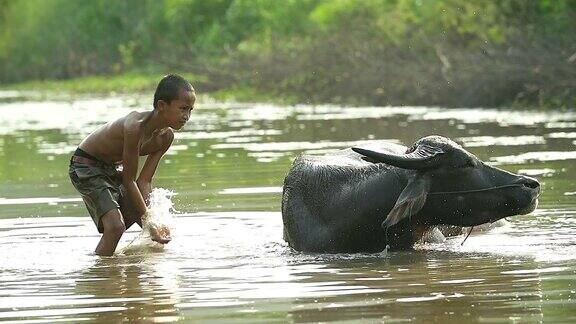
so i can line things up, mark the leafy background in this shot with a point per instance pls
(381, 52)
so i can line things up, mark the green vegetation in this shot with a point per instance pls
(138, 82)
(122, 83)
(126, 82)
(399, 52)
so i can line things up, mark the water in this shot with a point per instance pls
(228, 262)
(160, 217)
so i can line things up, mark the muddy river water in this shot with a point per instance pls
(228, 261)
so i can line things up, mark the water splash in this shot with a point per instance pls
(162, 214)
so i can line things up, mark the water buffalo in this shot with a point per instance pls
(363, 199)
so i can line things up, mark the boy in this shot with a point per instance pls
(117, 199)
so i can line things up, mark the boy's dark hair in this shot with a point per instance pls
(169, 88)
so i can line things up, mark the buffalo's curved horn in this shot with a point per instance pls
(424, 157)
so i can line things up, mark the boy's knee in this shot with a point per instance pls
(116, 229)
(113, 223)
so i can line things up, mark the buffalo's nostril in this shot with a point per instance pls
(530, 183)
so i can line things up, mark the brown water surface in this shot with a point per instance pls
(228, 262)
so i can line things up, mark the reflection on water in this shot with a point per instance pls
(230, 265)
(228, 261)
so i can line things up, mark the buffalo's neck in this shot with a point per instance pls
(404, 234)
(380, 190)
(371, 196)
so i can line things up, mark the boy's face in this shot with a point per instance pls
(177, 112)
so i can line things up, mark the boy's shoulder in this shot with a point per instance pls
(136, 117)
(165, 136)
(134, 121)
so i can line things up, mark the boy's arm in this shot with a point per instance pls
(144, 181)
(131, 152)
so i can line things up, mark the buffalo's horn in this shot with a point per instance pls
(422, 158)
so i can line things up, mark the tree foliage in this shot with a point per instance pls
(385, 51)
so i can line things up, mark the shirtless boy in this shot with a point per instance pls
(116, 198)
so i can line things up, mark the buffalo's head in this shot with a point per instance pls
(452, 186)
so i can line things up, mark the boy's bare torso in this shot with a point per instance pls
(107, 142)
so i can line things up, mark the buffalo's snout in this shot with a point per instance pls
(529, 183)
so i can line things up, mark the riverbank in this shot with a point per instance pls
(145, 83)
(130, 83)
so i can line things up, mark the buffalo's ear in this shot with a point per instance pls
(410, 201)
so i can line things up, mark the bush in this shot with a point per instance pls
(444, 52)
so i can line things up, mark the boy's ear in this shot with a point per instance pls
(161, 104)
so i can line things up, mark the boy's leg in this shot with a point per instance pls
(114, 227)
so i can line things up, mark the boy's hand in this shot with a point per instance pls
(160, 234)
